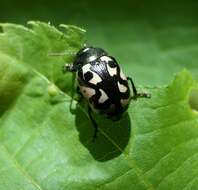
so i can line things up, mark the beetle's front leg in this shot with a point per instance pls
(69, 68)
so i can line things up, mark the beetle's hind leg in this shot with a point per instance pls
(93, 122)
(135, 93)
(80, 96)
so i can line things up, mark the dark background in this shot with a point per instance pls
(151, 39)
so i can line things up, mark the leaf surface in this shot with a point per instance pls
(46, 145)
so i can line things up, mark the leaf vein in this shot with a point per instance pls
(20, 168)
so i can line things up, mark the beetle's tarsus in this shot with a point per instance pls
(68, 68)
(143, 95)
(136, 94)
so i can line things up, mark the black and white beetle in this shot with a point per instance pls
(102, 83)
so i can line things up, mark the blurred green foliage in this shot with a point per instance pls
(157, 38)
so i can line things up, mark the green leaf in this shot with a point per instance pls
(33, 48)
(46, 145)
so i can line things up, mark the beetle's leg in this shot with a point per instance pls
(133, 87)
(69, 68)
(79, 93)
(93, 122)
(136, 94)
(78, 90)
(72, 109)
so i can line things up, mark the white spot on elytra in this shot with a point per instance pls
(112, 71)
(86, 68)
(95, 79)
(103, 97)
(87, 91)
(121, 87)
(105, 58)
(122, 75)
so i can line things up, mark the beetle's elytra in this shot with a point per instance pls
(102, 83)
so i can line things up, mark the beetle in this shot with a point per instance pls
(102, 83)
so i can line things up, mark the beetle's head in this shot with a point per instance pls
(88, 54)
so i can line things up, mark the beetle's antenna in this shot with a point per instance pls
(62, 53)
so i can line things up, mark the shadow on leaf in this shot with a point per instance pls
(112, 137)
